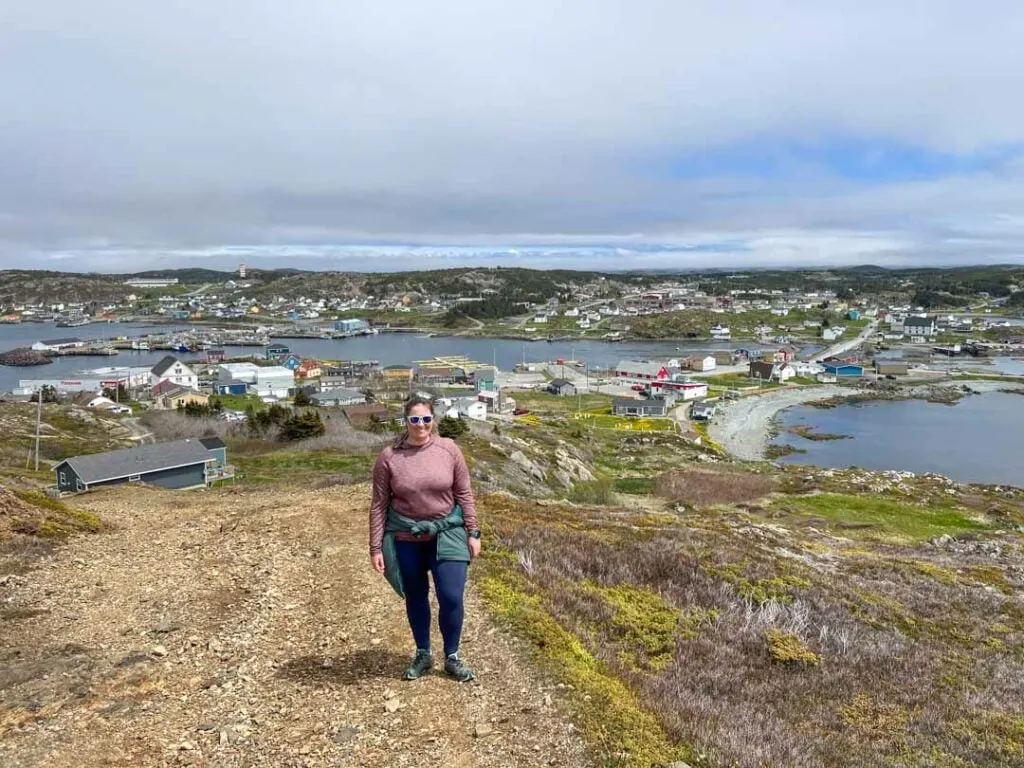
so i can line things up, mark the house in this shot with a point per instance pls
(178, 464)
(702, 363)
(292, 362)
(722, 358)
(702, 411)
(641, 370)
(55, 345)
(361, 416)
(276, 351)
(540, 319)
(471, 408)
(214, 356)
(172, 369)
(891, 368)
(805, 368)
(766, 370)
(309, 369)
(844, 369)
(483, 379)
(830, 334)
(218, 448)
(625, 406)
(853, 314)
(561, 387)
(684, 388)
(825, 378)
(179, 397)
(339, 396)
(924, 327)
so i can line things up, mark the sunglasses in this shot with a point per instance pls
(416, 420)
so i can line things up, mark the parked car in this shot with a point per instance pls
(520, 411)
(638, 387)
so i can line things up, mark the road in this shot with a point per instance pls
(844, 346)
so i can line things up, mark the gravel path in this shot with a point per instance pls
(244, 628)
(741, 428)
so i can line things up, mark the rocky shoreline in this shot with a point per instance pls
(23, 357)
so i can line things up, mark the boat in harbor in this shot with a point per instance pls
(72, 321)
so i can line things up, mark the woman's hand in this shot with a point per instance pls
(474, 548)
(377, 561)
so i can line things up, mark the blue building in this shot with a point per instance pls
(844, 369)
(484, 379)
(853, 314)
(177, 464)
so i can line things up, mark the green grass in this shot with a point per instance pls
(885, 517)
(634, 485)
(290, 465)
(544, 402)
(239, 402)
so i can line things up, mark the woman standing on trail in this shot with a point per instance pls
(423, 518)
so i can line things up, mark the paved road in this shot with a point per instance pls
(844, 346)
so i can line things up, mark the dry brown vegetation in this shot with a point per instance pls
(765, 643)
(702, 488)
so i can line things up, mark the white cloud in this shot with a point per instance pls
(161, 130)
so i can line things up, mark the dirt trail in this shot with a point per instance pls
(245, 628)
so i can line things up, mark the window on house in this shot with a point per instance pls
(62, 478)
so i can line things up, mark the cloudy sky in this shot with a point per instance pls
(343, 134)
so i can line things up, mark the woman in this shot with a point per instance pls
(423, 519)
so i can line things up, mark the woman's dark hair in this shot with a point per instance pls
(417, 400)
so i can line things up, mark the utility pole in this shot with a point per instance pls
(39, 418)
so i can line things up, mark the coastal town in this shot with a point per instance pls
(147, 440)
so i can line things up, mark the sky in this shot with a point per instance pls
(591, 134)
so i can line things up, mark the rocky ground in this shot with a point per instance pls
(245, 628)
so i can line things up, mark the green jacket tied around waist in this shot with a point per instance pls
(450, 531)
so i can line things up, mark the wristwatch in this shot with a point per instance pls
(475, 534)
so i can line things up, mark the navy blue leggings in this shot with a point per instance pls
(415, 559)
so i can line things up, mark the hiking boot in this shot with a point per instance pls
(421, 662)
(456, 667)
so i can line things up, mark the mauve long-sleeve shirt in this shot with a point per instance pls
(422, 482)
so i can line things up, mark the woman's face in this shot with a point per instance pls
(416, 414)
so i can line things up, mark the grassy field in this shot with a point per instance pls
(882, 518)
(544, 402)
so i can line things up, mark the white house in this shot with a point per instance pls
(469, 408)
(831, 334)
(574, 312)
(173, 370)
(540, 319)
(703, 363)
(804, 368)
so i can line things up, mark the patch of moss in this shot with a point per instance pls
(997, 736)
(643, 621)
(611, 717)
(886, 722)
(990, 575)
(787, 648)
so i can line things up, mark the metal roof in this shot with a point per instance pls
(64, 340)
(142, 459)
